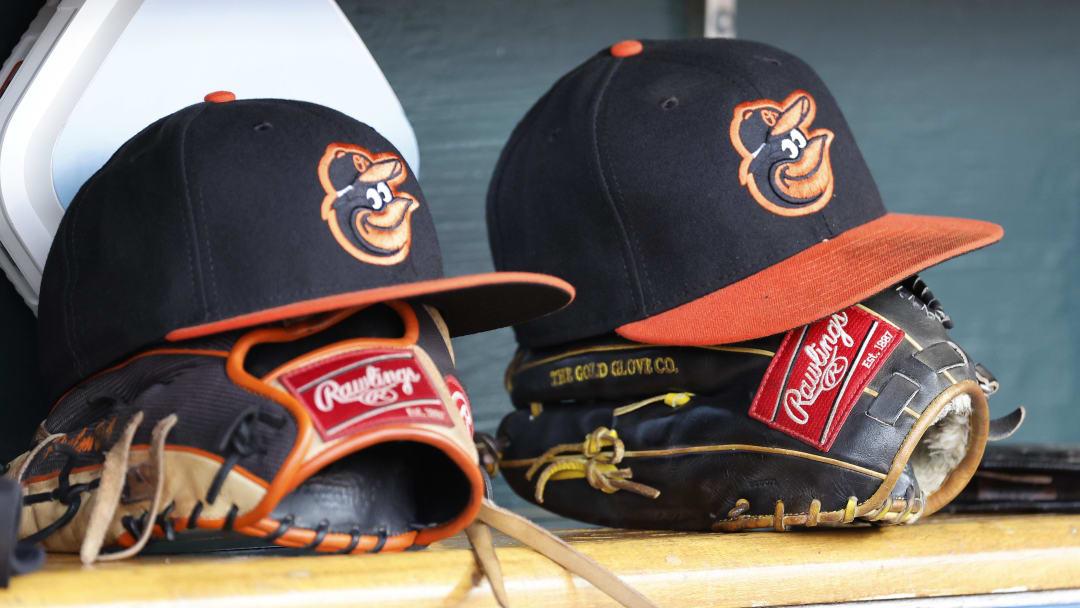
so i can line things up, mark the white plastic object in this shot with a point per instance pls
(95, 72)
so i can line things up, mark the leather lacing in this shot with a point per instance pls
(919, 289)
(988, 384)
(239, 440)
(548, 545)
(592, 460)
(597, 457)
(893, 511)
(536, 538)
(65, 492)
(909, 507)
(135, 525)
(673, 400)
(595, 460)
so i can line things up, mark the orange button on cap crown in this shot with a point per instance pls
(220, 97)
(626, 48)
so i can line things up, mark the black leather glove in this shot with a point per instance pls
(871, 414)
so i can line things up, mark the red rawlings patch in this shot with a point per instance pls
(358, 390)
(461, 400)
(820, 371)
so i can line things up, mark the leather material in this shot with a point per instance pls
(610, 367)
(390, 488)
(558, 551)
(715, 467)
(351, 438)
(187, 485)
(893, 398)
(243, 454)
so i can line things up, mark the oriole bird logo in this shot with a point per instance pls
(785, 165)
(366, 212)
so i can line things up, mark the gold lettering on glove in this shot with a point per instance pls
(636, 366)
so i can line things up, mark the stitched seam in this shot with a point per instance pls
(823, 220)
(496, 231)
(739, 75)
(749, 84)
(189, 226)
(209, 251)
(495, 227)
(639, 258)
(632, 278)
(680, 296)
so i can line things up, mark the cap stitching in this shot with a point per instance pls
(746, 81)
(494, 226)
(665, 304)
(629, 269)
(209, 251)
(820, 214)
(189, 226)
(687, 291)
(496, 233)
(639, 258)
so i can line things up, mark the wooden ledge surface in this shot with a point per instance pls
(944, 555)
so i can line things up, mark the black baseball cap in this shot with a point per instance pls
(229, 214)
(700, 192)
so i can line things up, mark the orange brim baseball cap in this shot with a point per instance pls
(233, 213)
(700, 192)
(816, 281)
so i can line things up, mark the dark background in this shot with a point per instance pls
(961, 108)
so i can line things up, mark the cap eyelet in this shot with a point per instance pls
(263, 126)
(220, 97)
(626, 48)
(670, 103)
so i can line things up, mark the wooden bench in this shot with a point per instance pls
(943, 556)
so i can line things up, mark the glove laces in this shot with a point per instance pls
(590, 460)
(114, 478)
(110, 491)
(546, 544)
(537, 538)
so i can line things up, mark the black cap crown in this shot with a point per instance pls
(657, 173)
(219, 210)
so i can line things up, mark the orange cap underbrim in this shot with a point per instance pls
(816, 282)
(470, 304)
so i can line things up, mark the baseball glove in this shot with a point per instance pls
(872, 414)
(345, 432)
